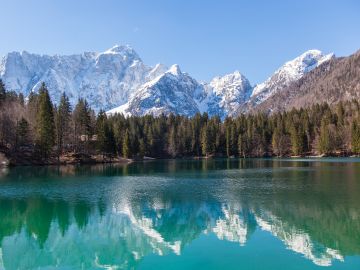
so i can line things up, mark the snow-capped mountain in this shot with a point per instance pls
(176, 92)
(334, 81)
(291, 71)
(231, 90)
(172, 92)
(118, 81)
(105, 79)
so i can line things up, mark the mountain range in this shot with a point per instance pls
(118, 81)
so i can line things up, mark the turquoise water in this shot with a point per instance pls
(208, 214)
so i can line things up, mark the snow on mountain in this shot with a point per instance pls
(105, 79)
(118, 81)
(176, 92)
(289, 72)
(172, 92)
(232, 90)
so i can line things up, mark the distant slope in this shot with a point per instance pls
(334, 80)
(291, 71)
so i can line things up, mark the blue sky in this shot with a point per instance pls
(206, 38)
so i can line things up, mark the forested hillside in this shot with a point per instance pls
(39, 132)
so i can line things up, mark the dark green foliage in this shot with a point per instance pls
(45, 128)
(126, 151)
(82, 118)
(22, 133)
(279, 141)
(105, 137)
(355, 137)
(324, 138)
(320, 129)
(82, 126)
(2, 92)
(63, 116)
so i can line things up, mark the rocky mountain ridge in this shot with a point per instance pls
(118, 81)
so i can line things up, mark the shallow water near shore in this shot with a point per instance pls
(183, 214)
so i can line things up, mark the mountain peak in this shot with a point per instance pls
(175, 70)
(311, 52)
(237, 73)
(291, 71)
(310, 59)
(121, 49)
(235, 77)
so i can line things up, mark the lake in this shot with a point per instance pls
(185, 214)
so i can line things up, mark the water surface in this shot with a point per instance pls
(209, 214)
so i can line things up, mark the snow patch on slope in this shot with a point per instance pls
(289, 72)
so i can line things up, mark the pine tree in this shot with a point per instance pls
(105, 142)
(228, 142)
(2, 92)
(63, 116)
(22, 132)
(204, 140)
(340, 110)
(126, 145)
(297, 140)
(21, 99)
(172, 144)
(111, 143)
(242, 149)
(278, 141)
(82, 125)
(355, 137)
(102, 131)
(142, 148)
(324, 146)
(32, 108)
(45, 128)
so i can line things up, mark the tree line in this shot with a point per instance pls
(45, 130)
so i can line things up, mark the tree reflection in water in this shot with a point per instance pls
(107, 216)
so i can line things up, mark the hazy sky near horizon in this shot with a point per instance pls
(206, 38)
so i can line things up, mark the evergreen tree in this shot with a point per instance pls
(111, 143)
(242, 147)
(2, 92)
(45, 128)
(32, 108)
(142, 148)
(63, 116)
(324, 146)
(82, 125)
(22, 132)
(297, 140)
(340, 112)
(355, 137)
(228, 142)
(204, 140)
(172, 144)
(105, 135)
(126, 145)
(278, 142)
(21, 99)
(102, 132)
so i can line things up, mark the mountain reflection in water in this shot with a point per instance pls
(113, 217)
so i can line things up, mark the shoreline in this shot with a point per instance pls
(96, 160)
